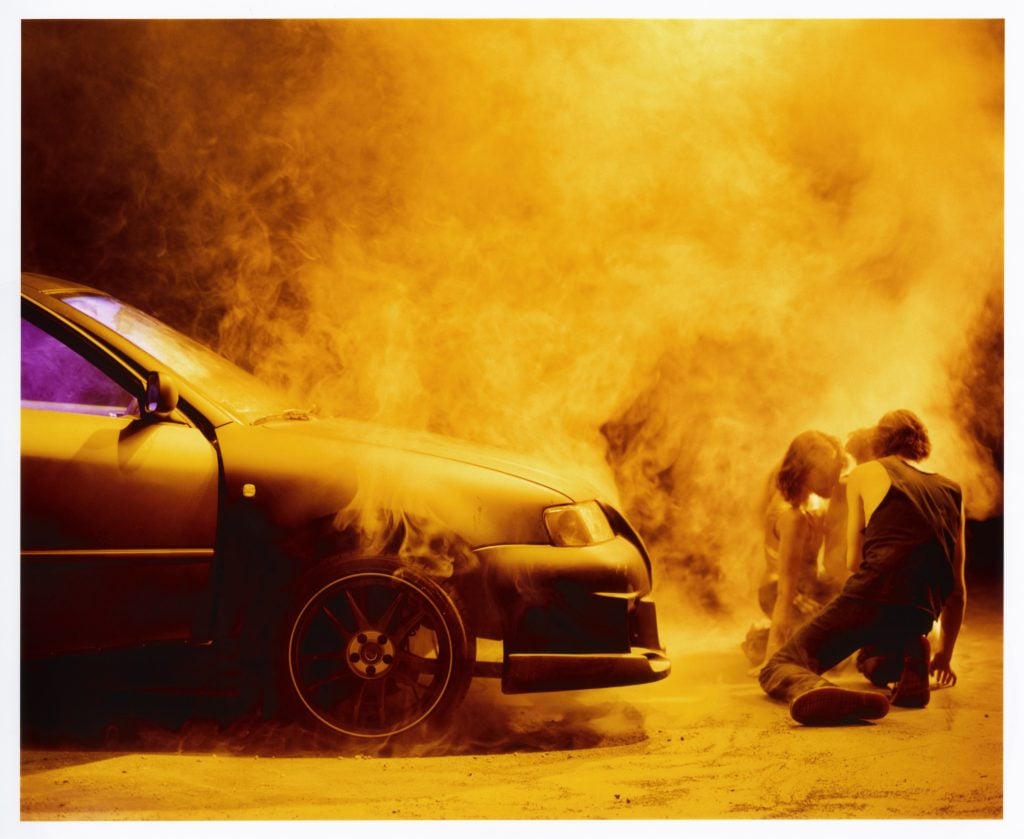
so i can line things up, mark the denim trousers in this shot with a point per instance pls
(844, 626)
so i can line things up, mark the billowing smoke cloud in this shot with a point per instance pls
(652, 250)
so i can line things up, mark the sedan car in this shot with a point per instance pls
(334, 569)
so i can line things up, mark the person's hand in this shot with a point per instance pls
(940, 669)
(806, 605)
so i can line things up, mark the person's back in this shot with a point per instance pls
(908, 543)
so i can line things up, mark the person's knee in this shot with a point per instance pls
(767, 677)
(788, 653)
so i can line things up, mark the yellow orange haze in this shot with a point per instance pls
(649, 251)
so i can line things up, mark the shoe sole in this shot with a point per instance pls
(837, 706)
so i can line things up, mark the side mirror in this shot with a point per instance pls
(161, 394)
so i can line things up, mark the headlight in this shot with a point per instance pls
(577, 525)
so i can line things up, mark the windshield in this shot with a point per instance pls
(214, 376)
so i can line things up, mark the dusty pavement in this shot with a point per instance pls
(703, 744)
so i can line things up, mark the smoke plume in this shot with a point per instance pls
(653, 251)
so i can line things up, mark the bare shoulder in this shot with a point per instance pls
(869, 484)
(867, 474)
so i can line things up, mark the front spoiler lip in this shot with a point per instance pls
(541, 672)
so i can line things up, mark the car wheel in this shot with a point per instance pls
(376, 648)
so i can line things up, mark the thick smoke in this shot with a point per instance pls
(653, 251)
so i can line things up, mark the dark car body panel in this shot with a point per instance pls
(93, 483)
(184, 527)
(300, 472)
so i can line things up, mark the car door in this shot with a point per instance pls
(118, 513)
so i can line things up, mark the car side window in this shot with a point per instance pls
(56, 378)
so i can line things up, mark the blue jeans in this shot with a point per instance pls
(844, 626)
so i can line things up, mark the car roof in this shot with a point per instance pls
(42, 284)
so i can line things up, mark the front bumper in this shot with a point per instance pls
(571, 618)
(536, 672)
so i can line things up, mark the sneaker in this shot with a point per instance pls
(837, 706)
(912, 690)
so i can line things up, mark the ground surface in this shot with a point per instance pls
(704, 743)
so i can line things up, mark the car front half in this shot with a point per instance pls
(357, 575)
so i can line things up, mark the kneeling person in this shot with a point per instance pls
(905, 537)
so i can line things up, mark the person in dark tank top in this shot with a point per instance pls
(905, 547)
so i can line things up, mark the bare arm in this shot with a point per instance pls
(952, 616)
(793, 537)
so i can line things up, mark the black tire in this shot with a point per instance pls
(375, 648)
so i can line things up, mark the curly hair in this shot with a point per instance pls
(902, 433)
(803, 453)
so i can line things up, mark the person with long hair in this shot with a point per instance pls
(794, 529)
(906, 552)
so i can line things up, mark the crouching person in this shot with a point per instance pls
(905, 535)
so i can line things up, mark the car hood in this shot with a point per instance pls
(436, 445)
